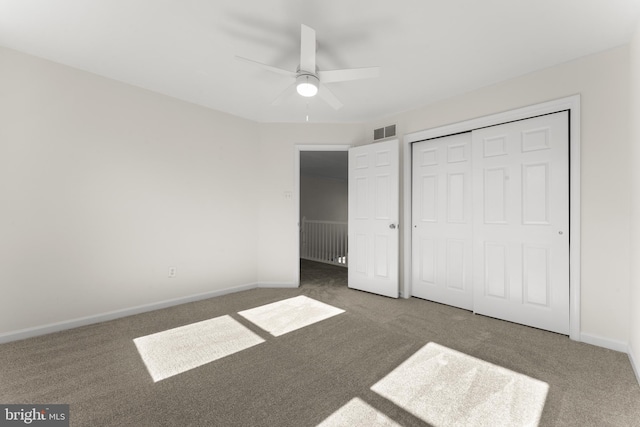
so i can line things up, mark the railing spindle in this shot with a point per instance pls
(324, 241)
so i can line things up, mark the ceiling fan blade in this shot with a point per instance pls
(329, 97)
(307, 49)
(268, 67)
(285, 95)
(331, 76)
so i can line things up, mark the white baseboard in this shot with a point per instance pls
(276, 285)
(605, 342)
(103, 317)
(634, 363)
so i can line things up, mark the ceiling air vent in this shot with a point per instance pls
(385, 132)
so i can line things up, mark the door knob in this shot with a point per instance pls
(392, 226)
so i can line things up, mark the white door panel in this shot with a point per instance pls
(442, 221)
(373, 218)
(521, 224)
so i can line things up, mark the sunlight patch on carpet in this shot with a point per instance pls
(284, 316)
(178, 350)
(444, 387)
(358, 413)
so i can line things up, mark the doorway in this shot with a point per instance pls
(322, 209)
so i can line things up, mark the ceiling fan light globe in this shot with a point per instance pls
(307, 89)
(307, 85)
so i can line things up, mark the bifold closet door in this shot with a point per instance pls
(442, 221)
(521, 222)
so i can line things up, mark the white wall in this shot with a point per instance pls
(602, 80)
(634, 114)
(278, 252)
(324, 199)
(103, 186)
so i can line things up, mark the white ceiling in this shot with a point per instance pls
(428, 49)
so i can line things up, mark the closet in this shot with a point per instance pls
(490, 221)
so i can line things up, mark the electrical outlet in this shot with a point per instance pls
(172, 272)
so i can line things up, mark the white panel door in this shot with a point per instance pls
(521, 222)
(373, 218)
(442, 221)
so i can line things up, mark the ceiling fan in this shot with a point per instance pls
(309, 81)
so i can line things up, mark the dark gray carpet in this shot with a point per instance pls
(317, 273)
(300, 378)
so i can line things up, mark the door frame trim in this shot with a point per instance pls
(571, 103)
(298, 148)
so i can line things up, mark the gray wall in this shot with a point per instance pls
(323, 199)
